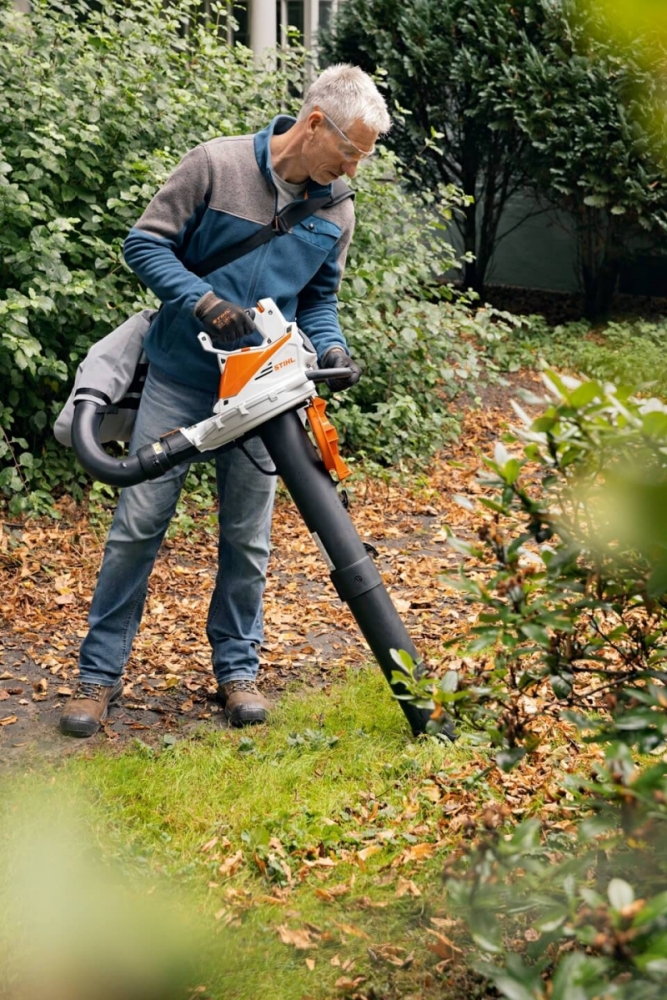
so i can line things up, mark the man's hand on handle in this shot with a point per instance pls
(336, 357)
(224, 321)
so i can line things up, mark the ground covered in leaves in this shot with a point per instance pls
(48, 570)
(314, 847)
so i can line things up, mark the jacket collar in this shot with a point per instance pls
(262, 145)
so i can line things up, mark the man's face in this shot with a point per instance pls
(330, 153)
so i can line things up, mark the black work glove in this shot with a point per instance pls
(336, 357)
(224, 321)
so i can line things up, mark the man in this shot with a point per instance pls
(222, 192)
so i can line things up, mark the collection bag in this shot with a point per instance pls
(118, 363)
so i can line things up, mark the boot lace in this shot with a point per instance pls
(87, 690)
(241, 685)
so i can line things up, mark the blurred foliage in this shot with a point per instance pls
(568, 577)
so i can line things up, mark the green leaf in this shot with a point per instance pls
(652, 909)
(508, 759)
(536, 632)
(584, 394)
(403, 659)
(620, 893)
(512, 988)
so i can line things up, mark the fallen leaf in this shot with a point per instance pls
(300, 939)
(406, 887)
(392, 954)
(231, 864)
(8, 720)
(442, 946)
(353, 931)
(367, 852)
(310, 964)
(346, 984)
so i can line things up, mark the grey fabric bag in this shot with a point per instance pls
(119, 364)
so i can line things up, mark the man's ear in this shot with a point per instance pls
(314, 120)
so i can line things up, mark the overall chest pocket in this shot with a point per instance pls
(318, 232)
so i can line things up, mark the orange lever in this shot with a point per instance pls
(326, 436)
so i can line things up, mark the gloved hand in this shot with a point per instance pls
(224, 321)
(335, 357)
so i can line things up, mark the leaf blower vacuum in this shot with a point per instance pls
(270, 391)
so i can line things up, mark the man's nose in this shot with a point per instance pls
(350, 167)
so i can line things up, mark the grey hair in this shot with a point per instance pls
(347, 95)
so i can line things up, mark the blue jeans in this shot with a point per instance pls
(245, 496)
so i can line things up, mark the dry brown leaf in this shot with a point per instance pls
(353, 931)
(367, 852)
(346, 984)
(300, 939)
(406, 887)
(441, 945)
(8, 720)
(310, 964)
(231, 864)
(392, 954)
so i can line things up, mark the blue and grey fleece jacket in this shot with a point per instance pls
(221, 193)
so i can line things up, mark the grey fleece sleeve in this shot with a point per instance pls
(152, 245)
(317, 313)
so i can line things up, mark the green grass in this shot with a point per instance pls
(335, 774)
(628, 353)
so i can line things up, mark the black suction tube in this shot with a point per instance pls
(151, 461)
(353, 572)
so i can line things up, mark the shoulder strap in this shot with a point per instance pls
(288, 217)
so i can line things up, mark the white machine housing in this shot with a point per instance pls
(278, 385)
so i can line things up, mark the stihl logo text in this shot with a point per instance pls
(282, 364)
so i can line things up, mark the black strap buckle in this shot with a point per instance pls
(280, 226)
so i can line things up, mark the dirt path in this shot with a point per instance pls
(48, 570)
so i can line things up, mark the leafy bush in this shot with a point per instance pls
(97, 105)
(569, 576)
(629, 352)
(407, 328)
(100, 105)
(500, 97)
(599, 157)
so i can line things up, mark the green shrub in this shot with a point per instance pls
(442, 62)
(406, 328)
(629, 352)
(501, 97)
(569, 578)
(97, 105)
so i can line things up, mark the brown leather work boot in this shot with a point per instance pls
(89, 707)
(243, 704)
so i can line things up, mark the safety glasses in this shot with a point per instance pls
(352, 152)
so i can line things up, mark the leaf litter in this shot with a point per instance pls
(47, 573)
